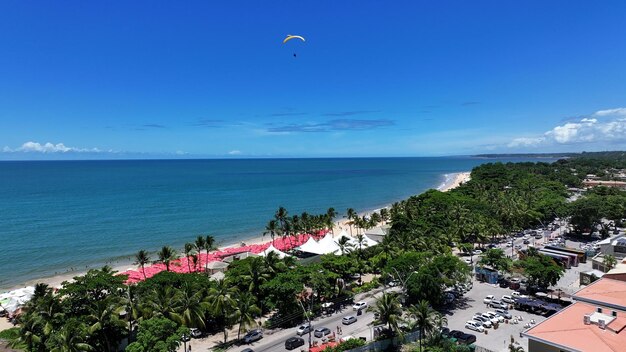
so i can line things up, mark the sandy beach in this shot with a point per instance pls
(452, 181)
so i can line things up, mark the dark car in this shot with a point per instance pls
(321, 332)
(247, 350)
(456, 333)
(294, 342)
(526, 241)
(467, 339)
(445, 332)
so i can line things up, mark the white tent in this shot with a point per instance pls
(343, 234)
(328, 245)
(11, 301)
(367, 242)
(310, 246)
(271, 248)
(218, 276)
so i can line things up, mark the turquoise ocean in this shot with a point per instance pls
(57, 215)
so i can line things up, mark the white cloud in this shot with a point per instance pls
(525, 142)
(234, 152)
(36, 147)
(609, 112)
(604, 126)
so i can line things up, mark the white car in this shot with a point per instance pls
(359, 305)
(507, 299)
(504, 313)
(493, 320)
(516, 294)
(484, 321)
(473, 325)
(494, 315)
(477, 252)
(488, 299)
(467, 261)
(303, 329)
(498, 304)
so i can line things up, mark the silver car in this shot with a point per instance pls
(348, 320)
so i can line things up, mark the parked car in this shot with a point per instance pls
(493, 320)
(247, 350)
(486, 322)
(507, 299)
(467, 339)
(488, 299)
(473, 325)
(504, 313)
(526, 241)
(477, 252)
(303, 329)
(253, 335)
(518, 246)
(321, 332)
(498, 304)
(294, 342)
(359, 305)
(445, 332)
(195, 333)
(494, 315)
(516, 294)
(455, 333)
(348, 320)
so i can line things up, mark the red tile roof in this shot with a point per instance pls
(567, 329)
(607, 292)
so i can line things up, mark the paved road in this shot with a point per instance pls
(276, 341)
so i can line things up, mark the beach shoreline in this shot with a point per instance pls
(451, 181)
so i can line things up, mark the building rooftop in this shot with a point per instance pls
(579, 327)
(606, 292)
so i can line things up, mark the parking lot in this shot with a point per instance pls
(494, 339)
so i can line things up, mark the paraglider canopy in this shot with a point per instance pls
(290, 37)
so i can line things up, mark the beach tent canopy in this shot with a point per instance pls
(271, 248)
(310, 246)
(328, 245)
(367, 242)
(217, 265)
(343, 233)
(218, 276)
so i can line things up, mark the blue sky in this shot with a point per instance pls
(212, 79)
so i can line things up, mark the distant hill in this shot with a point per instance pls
(528, 155)
(596, 155)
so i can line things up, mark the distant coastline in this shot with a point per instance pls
(451, 181)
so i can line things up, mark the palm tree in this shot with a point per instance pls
(281, 217)
(106, 325)
(345, 246)
(71, 338)
(142, 258)
(222, 303)
(331, 214)
(246, 311)
(166, 255)
(351, 215)
(195, 258)
(272, 229)
(189, 307)
(360, 241)
(188, 252)
(423, 316)
(609, 262)
(273, 263)
(389, 311)
(200, 244)
(209, 245)
(384, 215)
(256, 276)
(158, 303)
(30, 333)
